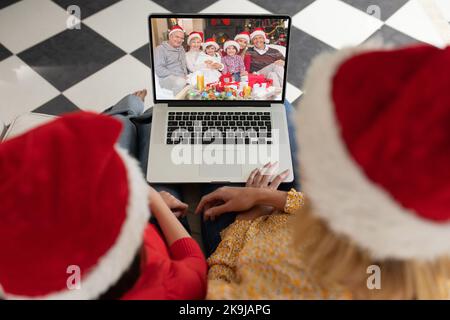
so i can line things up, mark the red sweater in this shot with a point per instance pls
(177, 272)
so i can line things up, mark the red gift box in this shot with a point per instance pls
(258, 79)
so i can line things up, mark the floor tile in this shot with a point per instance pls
(412, 19)
(57, 106)
(88, 7)
(238, 6)
(106, 87)
(21, 89)
(143, 54)
(4, 53)
(292, 92)
(303, 48)
(5, 3)
(177, 6)
(384, 8)
(125, 23)
(283, 7)
(391, 36)
(29, 22)
(336, 23)
(71, 56)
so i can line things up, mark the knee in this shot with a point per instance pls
(180, 82)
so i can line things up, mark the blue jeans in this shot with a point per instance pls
(135, 138)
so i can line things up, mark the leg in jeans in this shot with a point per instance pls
(127, 108)
(211, 229)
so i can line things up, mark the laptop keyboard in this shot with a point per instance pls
(193, 127)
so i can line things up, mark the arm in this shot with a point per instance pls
(160, 68)
(187, 272)
(225, 68)
(171, 227)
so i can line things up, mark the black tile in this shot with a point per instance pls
(143, 54)
(4, 53)
(71, 56)
(386, 8)
(57, 106)
(178, 6)
(391, 36)
(303, 48)
(5, 3)
(88, 7)
(283, 7)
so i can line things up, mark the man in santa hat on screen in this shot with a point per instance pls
(170, 61)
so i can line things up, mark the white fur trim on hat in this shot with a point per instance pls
(341, 194)
(118, 259)
(231, 43)
(242, 36)
(193, 36)
(176, 30)
(210, 43)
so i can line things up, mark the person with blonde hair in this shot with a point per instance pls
(374, 219)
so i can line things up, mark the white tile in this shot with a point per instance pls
(125, 23)
(22, 89)
(235, 6)
(413, 20)
(444, 8)
(336, 23)
(29, 22)
(292, 92)
(106, 87)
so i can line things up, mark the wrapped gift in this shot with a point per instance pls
(226, 78)
(258, 79)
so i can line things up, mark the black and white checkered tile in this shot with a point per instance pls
(47, 67)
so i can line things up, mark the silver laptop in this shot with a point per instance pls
(214, 118)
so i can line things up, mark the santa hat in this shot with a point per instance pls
(175, 29)
(259, 32)
(243, 35)
(374, 133)
(231, 43)
(71, 200)
(195, 34)
(210, 42)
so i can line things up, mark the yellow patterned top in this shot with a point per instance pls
(256, 260)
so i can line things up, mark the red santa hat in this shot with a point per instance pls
(176, 28)
(375, 148)
(259, 32)
(70, 198)
(210, 42)
(195, 34)
(231, 43)
(243, 35)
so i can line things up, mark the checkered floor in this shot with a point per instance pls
(48, 68)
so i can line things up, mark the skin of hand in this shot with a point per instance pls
(172, 229)
(244, 73)
(178, 208)
(261, 189)
(280, 63)
(216, 65)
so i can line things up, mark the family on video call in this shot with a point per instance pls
(234, 62)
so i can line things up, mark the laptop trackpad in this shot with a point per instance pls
(220, 171)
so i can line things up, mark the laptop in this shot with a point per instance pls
(218, 112)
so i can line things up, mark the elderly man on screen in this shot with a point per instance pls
(170, 61)
(266, 60)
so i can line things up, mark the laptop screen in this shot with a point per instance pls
(204, 58)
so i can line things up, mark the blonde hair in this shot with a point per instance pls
(335, 259)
